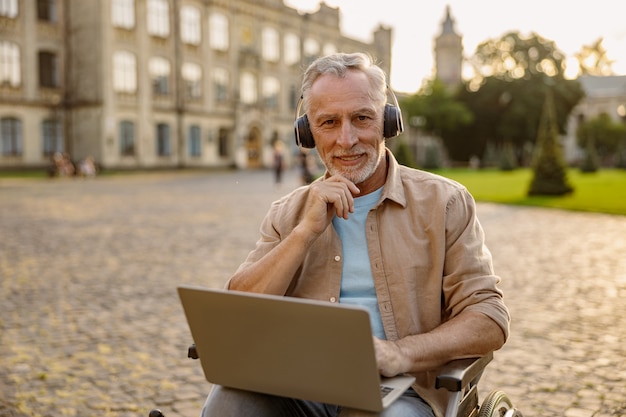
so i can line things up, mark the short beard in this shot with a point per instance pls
(360, 174)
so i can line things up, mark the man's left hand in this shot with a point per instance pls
(390, 358)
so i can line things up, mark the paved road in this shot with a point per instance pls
(90, 324)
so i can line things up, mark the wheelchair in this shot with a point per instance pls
(460, 377)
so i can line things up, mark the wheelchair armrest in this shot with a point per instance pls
(457, 374)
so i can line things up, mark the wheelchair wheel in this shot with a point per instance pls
(498, 404)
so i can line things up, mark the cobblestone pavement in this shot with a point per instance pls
(90, 323)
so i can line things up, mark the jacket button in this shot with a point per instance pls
(337, 258)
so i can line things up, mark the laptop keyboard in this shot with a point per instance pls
(384, 391)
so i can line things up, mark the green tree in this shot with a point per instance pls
(549, 170)
(403, 154)
(508, 91)
(514, 57)
(508, 160)
(432, 158)
(590, 163)
(438, 107)
(602, 133)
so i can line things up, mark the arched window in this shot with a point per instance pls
(10, 68)
(163, 140)
(158, 18)
(127, 138)
(190, 25)
(48, 69)
(248, 88)
(218, 26)
(123, 13)
(52, 136)
(10, 136)
(195, 143)
(270, 44)
(311, 48)
(124, 72)
(292, 49)
(159, 74)
(8, 8)
(221, 81)
(192, 76)
(271, 90)
(47, 10)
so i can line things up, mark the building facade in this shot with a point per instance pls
(159, 83)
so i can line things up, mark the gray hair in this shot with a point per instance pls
(339, 64)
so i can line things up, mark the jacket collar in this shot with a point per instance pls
(394, 189)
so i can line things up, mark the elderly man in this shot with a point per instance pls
(403, 243)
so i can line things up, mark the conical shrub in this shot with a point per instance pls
(549, 169)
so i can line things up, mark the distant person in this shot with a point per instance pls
(279, 161)
(402, 243)
(62, 165)
(87, 167)
(306, 166)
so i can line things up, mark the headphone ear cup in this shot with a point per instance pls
(392, 124)
(304, 137)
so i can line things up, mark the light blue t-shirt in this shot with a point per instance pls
(357, 282)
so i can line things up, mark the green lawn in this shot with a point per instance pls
(603, 191)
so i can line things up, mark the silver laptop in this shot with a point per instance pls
(290, 347)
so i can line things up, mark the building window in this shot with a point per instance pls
(311, 49)
(163, 139)
(123, 13)
(8, 8)
(158, 18)
(248, 88)
(52, 134)
(160, 74)
(124, 72)
(292, 49)
(223, 142)
(46, 10)
(271, 89)
(270, 45)
(10, 72)
(195, 144)
(218, 26)
(220, 83)
(10, 136)
(48, 69)
(190, 25)
(192, 76)
(127, 138)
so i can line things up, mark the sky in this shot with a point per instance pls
(416, 24)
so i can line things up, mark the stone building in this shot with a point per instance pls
(159, 83)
